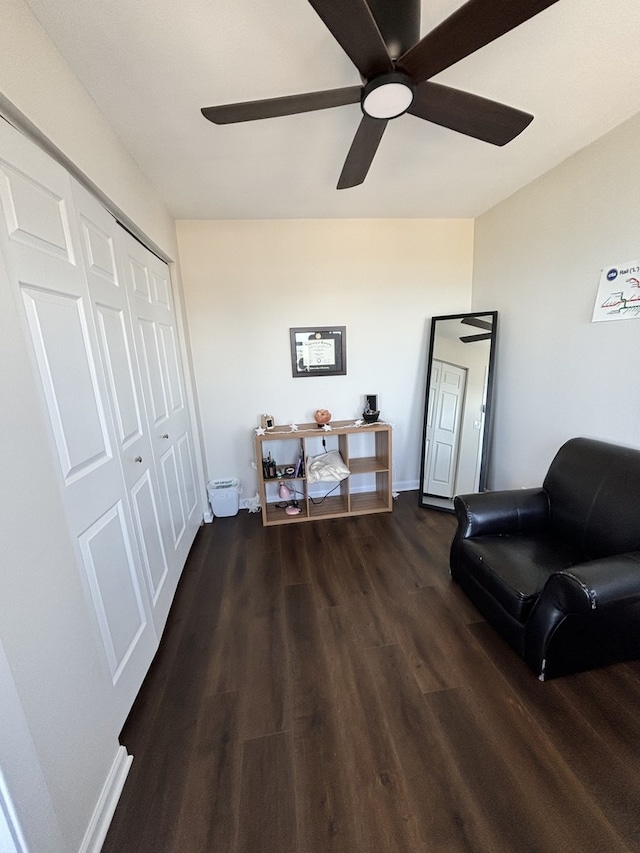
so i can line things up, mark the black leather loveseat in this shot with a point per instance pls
(556, 570)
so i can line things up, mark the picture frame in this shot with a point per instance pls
(318, 351)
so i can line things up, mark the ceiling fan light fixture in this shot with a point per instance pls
(387, 96)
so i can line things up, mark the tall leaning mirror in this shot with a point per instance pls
(457, 407)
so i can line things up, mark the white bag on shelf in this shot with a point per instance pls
(328, 467)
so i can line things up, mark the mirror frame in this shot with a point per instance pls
(432, 501)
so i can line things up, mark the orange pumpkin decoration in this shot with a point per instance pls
(322, 416)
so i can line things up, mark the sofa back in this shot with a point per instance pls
(594, 497)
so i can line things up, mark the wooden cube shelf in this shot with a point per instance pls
(365, 450)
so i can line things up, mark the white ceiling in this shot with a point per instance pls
(151, 64)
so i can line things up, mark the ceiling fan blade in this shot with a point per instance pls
(363, 148)
(285, 106)
(469, 339)
(469, 28)
(354, 28)
(398, 22)
(470, 114)
(478, 322)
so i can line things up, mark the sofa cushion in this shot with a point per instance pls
(514, 569)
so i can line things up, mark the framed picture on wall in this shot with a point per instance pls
(318, 351)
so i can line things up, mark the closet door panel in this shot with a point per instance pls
(111, 324)
(35, 215)
(99, 251)
(115, 334)
(173, 494)
(143, 489)
(40, 239)
(171, 368)
(163, 389)
(140, 282)
(152, 358)
(114, 586)
(147, 517)
(68, 374)
(161, 288)
(188, 476)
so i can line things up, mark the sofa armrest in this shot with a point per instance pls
(509, 511)
(609, 580)
(587, 588)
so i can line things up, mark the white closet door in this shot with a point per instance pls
(39, 237)
(98, 232)
(151, 304)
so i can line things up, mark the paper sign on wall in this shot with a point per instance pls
(618, 293)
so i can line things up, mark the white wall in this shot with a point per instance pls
(538, 258)
(58, 741)
(246, 283)
(36, 81)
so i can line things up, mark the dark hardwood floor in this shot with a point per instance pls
(325, 687)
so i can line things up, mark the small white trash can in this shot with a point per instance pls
(224, 497)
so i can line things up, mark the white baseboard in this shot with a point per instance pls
(406, 486)
(107, 802)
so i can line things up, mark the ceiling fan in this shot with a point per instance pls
(382, 39)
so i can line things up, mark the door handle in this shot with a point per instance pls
(166, 435)
(138, 459)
